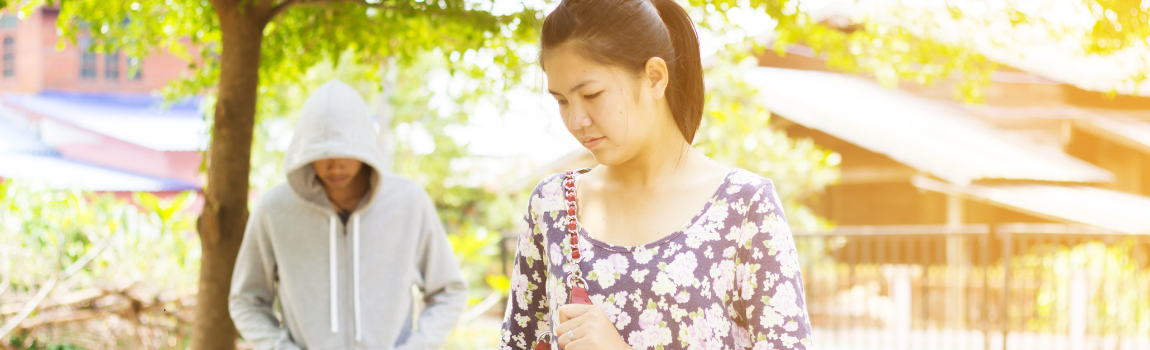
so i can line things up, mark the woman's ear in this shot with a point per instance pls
(656, 77)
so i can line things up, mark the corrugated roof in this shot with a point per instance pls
(1113, 210)
(136, 118)
(60, 173)
(911, 130)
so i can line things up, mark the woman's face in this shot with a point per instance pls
(609, 111)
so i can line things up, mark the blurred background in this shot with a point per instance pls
(958, 174)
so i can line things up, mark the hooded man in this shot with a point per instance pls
(341, 244)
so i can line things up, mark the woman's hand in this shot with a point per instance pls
(590, 327)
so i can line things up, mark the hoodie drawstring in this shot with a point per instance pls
(332, 264)
(332, 267)
(355, 270)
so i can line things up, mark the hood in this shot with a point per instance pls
(333, 123)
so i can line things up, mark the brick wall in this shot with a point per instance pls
(40, 65)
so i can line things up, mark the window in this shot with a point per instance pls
(112, 66)
(8, 21)
(87, 59)
(88, 65)
(135, 69)
(8, 60)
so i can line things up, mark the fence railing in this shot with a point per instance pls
(1008, 286)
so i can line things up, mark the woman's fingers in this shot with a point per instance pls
(586, 327)
(580, 344)
(569, 311)
(563, 339)
(573, 321)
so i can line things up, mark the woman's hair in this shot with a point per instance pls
(628, 33)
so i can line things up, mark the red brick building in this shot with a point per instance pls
(80, 119)
(30, 61)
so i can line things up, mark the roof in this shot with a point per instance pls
(1115, 72)
(15, 139)
(1132, 132)
(1129, 127)
(60, 173)
(1113, 210)
(918, 133)
(137, 118)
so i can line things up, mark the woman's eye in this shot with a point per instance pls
(591, 96)
(561, 102)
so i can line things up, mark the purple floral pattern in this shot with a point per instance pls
(727, 280)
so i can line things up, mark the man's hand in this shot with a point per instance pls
(590, 327)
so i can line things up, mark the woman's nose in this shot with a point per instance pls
(578, 117)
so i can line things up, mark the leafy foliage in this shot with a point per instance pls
(1118, 25)
(371, 31)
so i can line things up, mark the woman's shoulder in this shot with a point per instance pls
(547, 195)
(744, 184)
(549, 186)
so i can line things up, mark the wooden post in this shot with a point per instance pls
(955, 260)
(1004, 309)
(984, 261)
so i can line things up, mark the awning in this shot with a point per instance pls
(60, 173)
(1118, 211)
(919, 133)
(140, 119)
(1133, 132)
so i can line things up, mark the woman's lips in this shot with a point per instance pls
(589, 144)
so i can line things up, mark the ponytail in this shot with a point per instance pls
(686, 85)
(628, 33)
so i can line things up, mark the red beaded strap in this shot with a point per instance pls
(575, 277)
(572, 225)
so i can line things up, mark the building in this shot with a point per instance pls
(79, 119)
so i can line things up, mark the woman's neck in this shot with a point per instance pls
(654, 164)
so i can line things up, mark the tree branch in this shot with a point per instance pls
(126, 307)
(67, 299)
(275, 11)
(373, 5)
(281, 7)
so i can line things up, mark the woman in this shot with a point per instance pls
(628, 80)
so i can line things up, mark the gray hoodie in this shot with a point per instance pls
(343, 286)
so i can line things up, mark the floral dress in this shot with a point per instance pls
(729, 279)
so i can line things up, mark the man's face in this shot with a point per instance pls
(336, 172)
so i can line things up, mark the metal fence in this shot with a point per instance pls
(1009, 286)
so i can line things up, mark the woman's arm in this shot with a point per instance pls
(769, 287)
(527, 307)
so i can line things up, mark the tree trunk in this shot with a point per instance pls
(221, 225)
